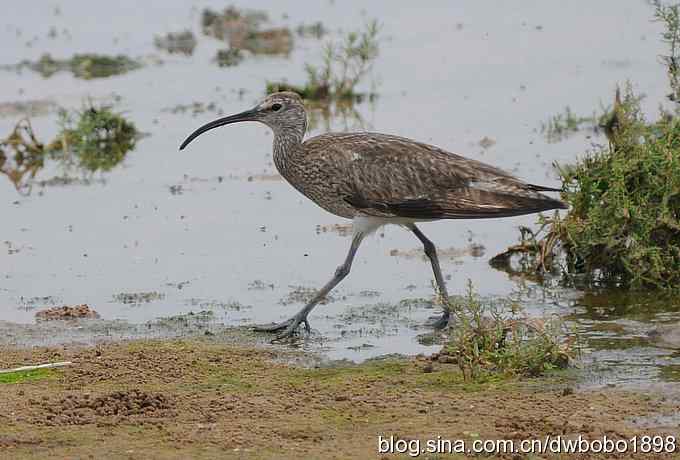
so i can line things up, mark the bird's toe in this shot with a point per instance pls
(272, 327)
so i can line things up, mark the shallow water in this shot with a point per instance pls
(214, 228)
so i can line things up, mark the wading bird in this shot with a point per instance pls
(378, 179)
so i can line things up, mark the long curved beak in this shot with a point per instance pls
(248, 115)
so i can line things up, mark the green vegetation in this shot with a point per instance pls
(93, 139)
(562, 125)
(24, 376)
(623, 226)
(86, 66)
(670, 16)
(493, 339)
(314, 30)
(228, 57)
(344, 65)
(21, 155)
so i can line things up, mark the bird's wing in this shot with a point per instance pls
(391, 176)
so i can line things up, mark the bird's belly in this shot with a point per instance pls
(325, 197)
(368, 224)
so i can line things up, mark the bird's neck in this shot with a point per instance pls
(287, 144)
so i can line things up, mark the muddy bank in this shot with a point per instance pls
(204, 399)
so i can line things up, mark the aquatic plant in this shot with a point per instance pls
(669, 15)
(344, 66)
(623, 225)
(176, 43)
(21, 155)
(96, 138)
(313, 30)
(493, 337)
(86, 66)
(564, 124)
(228, 57)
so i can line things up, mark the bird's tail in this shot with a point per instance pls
(543, 188)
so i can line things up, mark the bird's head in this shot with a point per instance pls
(281, 111)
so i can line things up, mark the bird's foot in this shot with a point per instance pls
(289, 327)
(442, 322)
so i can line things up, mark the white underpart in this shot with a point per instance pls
(369, 224)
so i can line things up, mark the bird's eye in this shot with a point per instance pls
(276, 107)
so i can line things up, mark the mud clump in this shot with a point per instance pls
(132, 406)
(241, 28)
(272, 41)
(66, 313)
(176, 43)
(472, 250)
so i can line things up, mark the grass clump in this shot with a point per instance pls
(95, 139)
(87, 66)
(564, 124)
(669, 15)
(623, 226)
(228, 57)
(24, 376)
(490, 338)
(344, 65)
(313, 30)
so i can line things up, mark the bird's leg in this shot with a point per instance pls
(431, 253)
(290, 326)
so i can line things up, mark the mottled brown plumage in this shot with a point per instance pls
(377, 179)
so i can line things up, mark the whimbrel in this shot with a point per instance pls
(378, 179)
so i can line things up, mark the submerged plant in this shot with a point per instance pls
(494, 338)
(564, 124)
(344, 65)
